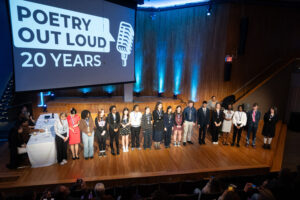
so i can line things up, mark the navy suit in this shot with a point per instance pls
(252, 126)
(203, 121)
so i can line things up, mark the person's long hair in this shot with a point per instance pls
(85, 113)
(177, 109)
(157, 104)
(123, 114)
(98, 114)
(273, 108)
(60, 115)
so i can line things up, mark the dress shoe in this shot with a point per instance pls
(184, 143)
(190, 142)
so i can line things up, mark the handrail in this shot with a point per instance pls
(251, 90)
(259, 74)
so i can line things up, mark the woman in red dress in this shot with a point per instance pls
(178, 126)
(74, 133)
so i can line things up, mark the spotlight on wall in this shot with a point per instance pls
(208, 12)
(159, 94)
(45, 108)
(52, 96)
(174, 96)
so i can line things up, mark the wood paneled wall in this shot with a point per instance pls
(204, 41)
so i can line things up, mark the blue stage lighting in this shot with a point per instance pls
(109, 88)
(178, 62)
(138, 68)
(168, 3)
(161, 65)
(194, 82)
(85, 90)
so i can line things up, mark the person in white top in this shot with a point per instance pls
(227, 123)
(61, 128)
(239, 121)
(135, 120)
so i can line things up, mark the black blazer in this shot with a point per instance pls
(158, 121)
(100, 129)
(269, 125)
(168, 123)
(217, 118)
(113, 124)
(202, 119)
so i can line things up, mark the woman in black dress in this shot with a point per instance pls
(158, 124)
(125, 129)
(217, 119)
(270, 120)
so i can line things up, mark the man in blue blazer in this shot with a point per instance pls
(203, 121)
(253, 117)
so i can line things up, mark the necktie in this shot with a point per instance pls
(253, 116)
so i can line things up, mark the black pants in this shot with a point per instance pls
(202, 132)
(237, 131)
(101, 141)
(114, 136)
(215, 133)
(61, 147)
(147, 138)
(135, 137)
(167, 136)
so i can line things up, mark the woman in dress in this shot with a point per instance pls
(217, 119)
(125, 129)
(178, 122)
(74, 133)
(227, 123)
(61, 137)
(87, 126)
(147, 127)
(101, 131)
(168, 126)
(158, 124)
(270, 120)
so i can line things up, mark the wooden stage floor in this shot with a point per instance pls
(165, 165)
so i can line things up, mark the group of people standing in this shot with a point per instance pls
(158, 127)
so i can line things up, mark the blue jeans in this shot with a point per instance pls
(252, 129)
(88, 145)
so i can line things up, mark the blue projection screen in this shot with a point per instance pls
(71, 43)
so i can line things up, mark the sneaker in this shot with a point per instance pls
(269, 146)
(190, 142)
(104, 154)
(65, 161)
(62, 163)
(254, 146)
(126, 149)
(100, 154)
(264, 146)
(139, 148)
(132, 148)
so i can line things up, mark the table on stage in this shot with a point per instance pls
(41, 148)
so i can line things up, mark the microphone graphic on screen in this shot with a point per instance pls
(125, 41)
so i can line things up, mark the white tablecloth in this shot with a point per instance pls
(41, 148)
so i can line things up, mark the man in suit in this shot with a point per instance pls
(253, 117)
(203, 121)
(113, 121)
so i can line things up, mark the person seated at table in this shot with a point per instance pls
(16, 146)
(86, 126)
(74, 133)
(61, 137)
(28, 115)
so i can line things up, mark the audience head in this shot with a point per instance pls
(190, 103)
(62, 192)
(240, 108)
(24, 109)
(29, 195)
(215, 185)
(160, 194)
(264, 194)
(113, 109)
(159, 106)
(136, 108)
(255, 106)
(147, 109)
(178, 109)
(204, 104)
(73, 111)
(85, 114)
(230, 195)
(285, 177)
(99, 189)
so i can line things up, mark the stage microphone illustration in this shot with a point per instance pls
(125, 41)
